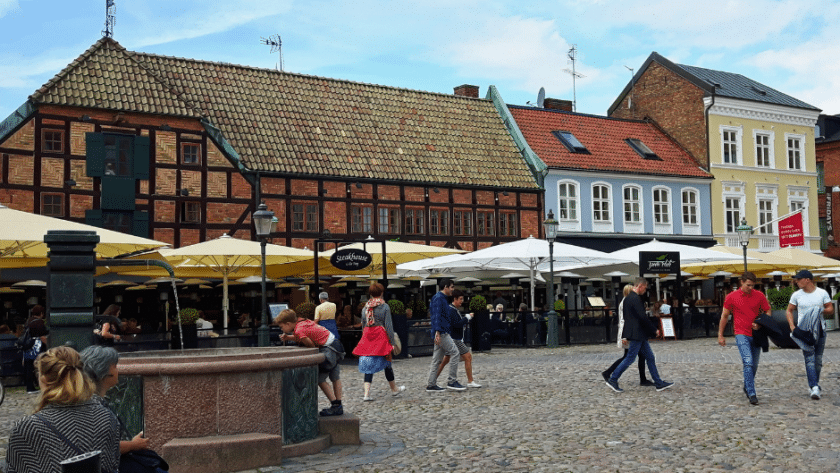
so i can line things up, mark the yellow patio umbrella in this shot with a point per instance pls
(22, 236)
(757, 262)
(804, 259)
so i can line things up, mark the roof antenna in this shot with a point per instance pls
(632, 86)
(276, 47)
(110, 18)
(574, 74)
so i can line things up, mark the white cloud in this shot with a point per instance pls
(6, 6)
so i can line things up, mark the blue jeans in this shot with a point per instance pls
(635, 349)
(749, 355)
(813, 361)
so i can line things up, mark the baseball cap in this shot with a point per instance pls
(804, 274)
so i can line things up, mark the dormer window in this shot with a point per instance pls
(570, 142)
(642, 149)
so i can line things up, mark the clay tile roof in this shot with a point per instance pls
(604, 138)
(106, 76)
(298, 124)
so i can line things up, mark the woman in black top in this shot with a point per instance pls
(110, 330)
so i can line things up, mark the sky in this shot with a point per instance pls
(435, 45)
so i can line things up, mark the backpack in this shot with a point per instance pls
(25, 342)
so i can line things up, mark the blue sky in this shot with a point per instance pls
(436, 45)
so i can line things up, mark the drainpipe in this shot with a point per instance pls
(709, 160)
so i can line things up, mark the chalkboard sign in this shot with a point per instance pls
(666, 328)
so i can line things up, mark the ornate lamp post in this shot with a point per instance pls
(263, 219)
(744, 233)
(552, 337)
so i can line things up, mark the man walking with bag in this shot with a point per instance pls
(444, 345)
(811, 303)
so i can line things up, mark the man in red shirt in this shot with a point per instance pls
(745, 304)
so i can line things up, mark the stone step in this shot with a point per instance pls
(343, 430)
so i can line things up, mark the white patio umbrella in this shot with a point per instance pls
(688, 254)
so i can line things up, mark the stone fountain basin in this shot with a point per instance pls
(222, 409)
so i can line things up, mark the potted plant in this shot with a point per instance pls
(478, 305)
(188, 318)
(397, 307)
(306, 310)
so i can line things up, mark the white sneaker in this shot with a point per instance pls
(473, 384)
(398, 391)
(368, 398)
(815, 393)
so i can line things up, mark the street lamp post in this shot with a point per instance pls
(553, 335)
(263, 219)
(744, 233)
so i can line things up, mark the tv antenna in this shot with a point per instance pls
(575, 75)
(632, 86)
(276, 47)
(110, 18)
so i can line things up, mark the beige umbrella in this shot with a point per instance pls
(757, 262)
(22, 236)
(30, 283)
(804, 259)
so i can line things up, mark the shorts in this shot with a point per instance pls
(334, 374)
(462, 347)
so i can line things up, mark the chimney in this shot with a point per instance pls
(557, 104)
(467, 90)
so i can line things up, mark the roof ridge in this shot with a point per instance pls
(566, 112)
(308, 76)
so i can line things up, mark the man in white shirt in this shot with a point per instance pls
(808, 297)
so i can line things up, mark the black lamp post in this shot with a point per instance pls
(262, 222)
(744, 234)
(553, 335)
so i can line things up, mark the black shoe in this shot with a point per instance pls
(746, 393)
(336, 410)
(606, 375)
(647, 382)
(434, 389)
(663, 385)
(753, 400)
(614, 386)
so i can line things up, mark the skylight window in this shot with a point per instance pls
(642, 149)
(570, 142)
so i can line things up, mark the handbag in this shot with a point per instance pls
(396, 347)
(25, 341)
(142, 461)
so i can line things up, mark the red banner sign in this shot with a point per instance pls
(790, 231)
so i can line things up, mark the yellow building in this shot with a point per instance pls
(757, 142)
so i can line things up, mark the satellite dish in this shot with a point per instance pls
(541, 97)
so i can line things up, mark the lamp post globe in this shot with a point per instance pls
(553, 336)
(264, 222)
(744, 233)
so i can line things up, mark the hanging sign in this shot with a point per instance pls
(829, 224)
(659, 262)
(790, 231)
(351, 259)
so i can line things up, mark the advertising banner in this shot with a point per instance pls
(790, 231)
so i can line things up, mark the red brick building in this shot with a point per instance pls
(181, 150)
(828, 166)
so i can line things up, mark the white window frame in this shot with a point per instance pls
(767, 193)
(799, 195)
(739, 144)
(629, 226)
(771, 138)
(801, 150)
(602, 225)
(569, 224)
(690, 228)
(668, 227)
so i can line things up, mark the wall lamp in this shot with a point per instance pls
(358, 186)
(184, 192)
(70, 183)
(85, 118)
(436, 190)
(165, 127)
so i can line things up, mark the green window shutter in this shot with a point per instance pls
(95, 143)
(140, 224)
(117, 193)
(141, 157)
(93, 217)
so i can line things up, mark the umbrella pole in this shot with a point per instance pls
(532, 287)
(225, 299)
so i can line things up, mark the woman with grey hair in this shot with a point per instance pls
(100, 365)
(325, 314)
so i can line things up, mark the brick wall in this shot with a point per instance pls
(191, 181)
(673, 103)
(78, 145)
(21, 169)
(166, 150)
(165, 182)
(78, 205)
(23, 139)
(389, 193)
(52, 172)
(216, 184)
(224, 212)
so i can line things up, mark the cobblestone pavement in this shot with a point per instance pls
(548, 410)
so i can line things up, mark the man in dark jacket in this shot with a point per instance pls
(637, 330)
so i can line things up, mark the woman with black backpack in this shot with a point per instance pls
(37, 329)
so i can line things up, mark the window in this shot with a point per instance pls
(362, 219)
(763, 150)
(570, 142)
(439, 222)
(485, 222)
(52, 205)
(117, 221)
(661, 206)
(765, 215)
(797, 200)
(191, 212)
(190, 153)
(601, 203)
(389, 220)
(730, 144)
(118, 151)
(116, 155)
(795, 152)
(52, 141)
(632, 205)
(689, 207)
(567, 193)
(642, 149)
(304, 217)
(733, 213)
(507, 224)
(415, 222)
(462, 223)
